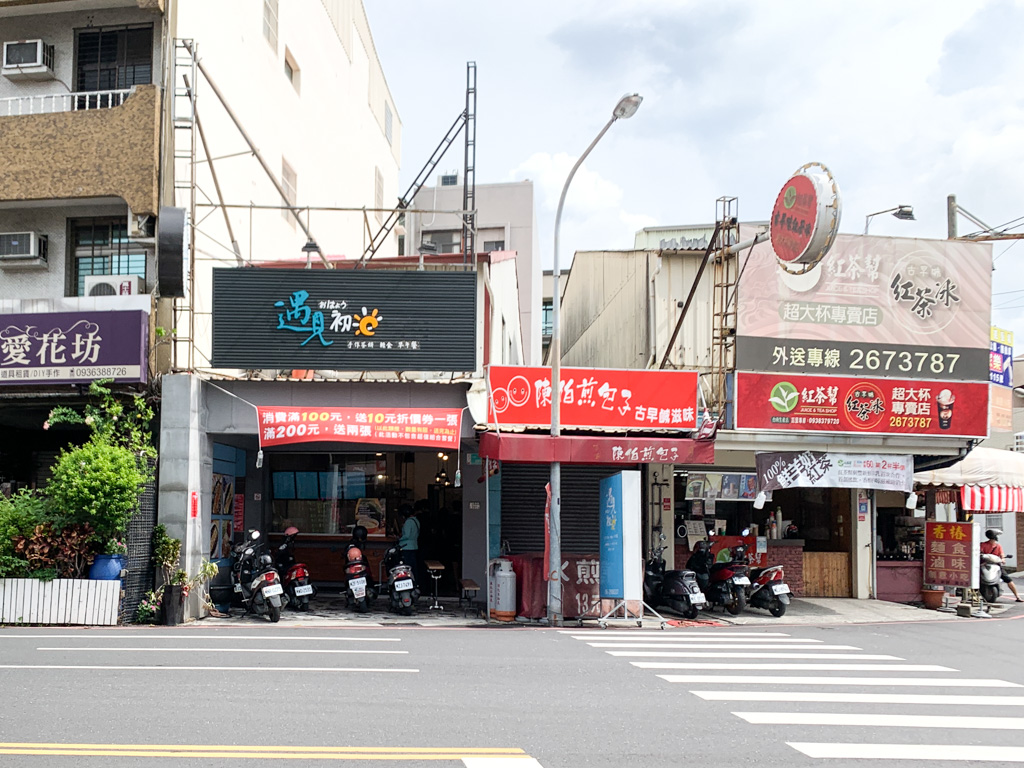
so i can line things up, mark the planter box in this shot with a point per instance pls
(61, 601)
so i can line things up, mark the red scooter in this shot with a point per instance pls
(294, 575)
(360, 591)
(769, 590)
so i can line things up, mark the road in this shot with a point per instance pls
(936, 693)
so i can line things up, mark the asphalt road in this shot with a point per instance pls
(495, 697)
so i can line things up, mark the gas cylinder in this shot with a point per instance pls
(503, 590)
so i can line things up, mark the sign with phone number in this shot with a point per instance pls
(877, 406)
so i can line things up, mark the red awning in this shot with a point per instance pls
(992, 498)
(578, 449)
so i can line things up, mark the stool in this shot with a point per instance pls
(469, 590)
(435, 568)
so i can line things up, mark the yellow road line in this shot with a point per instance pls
(263, 752)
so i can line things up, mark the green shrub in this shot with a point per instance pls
(19, 516)
(98, 484)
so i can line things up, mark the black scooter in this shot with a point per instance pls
(400, 582)
(676, 589)
(255, 579)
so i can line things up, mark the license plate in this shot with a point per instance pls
(743, 580)
(273, 589)
(403, 584)
(358, 587)
(779, 589)
(306, 590)
(238, 587)
(698, 599)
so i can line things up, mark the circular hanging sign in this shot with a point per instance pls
(805, 218)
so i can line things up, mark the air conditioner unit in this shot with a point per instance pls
(27, 60)
(114, 285)
(17, 246)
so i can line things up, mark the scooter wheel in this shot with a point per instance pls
(691, 613)
(990, 593)
(777, 608)
(736, 606)
(275, 613)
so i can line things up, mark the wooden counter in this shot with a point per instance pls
(324, 555)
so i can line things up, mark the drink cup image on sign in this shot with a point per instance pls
(945, 402)
(518, 391)
(500, 400)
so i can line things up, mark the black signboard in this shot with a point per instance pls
(345, 320)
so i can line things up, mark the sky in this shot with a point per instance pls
(905, 103)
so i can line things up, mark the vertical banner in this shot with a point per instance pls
(952, 554)
(621, 556)
(547, 534)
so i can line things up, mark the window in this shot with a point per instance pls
(290, 182)
(494, 245)
(450, 180)
(1018, 442)
(546, 320)
(378, 194)
(270, 22)
(113, 59)
(291, 69)
(101, 247)
(388, 119)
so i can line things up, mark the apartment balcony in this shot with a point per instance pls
(27, 7)
(67, 146)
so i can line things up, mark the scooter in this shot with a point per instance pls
(990, 578)
(360, 592)
(295, 575)
(676, 589)
(255, 579)
(728, 582)
(401, 583)
(769, 590)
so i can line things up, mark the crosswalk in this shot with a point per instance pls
(793, 683)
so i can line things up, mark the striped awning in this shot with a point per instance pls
(992, 498)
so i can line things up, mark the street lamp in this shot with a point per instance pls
(901, 212)
(626, 108)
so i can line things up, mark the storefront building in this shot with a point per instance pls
(278, 434)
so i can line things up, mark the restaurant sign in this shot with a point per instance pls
(952, 555)
(871, 306)
(344, 320)
(815, 469)
(593, 398)
(430, 427)
(73, 347)
(766, 401)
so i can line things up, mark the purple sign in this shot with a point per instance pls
(73, 347)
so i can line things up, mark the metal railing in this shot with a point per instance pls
(51, 103)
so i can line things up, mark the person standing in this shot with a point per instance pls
(409, 542)
(992, 547)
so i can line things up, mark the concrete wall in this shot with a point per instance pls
(507, 209)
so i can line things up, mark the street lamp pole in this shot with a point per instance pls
(626, 108)
(902, 212)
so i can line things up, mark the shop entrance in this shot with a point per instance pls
(823, 517)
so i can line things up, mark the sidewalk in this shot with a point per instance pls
(330, 611)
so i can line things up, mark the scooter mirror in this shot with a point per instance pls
(661, 536)
(745, 532)
(254, 535)
(248, 551)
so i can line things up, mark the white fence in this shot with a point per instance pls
(61, 601)
(50, 103)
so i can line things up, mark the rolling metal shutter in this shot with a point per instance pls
(523, 499)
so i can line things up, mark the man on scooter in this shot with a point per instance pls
(700, 563)
(993, 547)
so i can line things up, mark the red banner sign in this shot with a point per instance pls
(594, 397)
(768, 401)
(432, 427)
(949, 559)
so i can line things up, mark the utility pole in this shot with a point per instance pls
(951, 217)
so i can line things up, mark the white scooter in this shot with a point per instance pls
(991, 576)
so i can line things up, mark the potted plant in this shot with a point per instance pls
(148, 610)
(110, 564)
(932, 597)
(166, 554)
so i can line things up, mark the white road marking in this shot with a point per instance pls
(187, 636)
(890, 721)
(802, 667)
(973, 753)
(758, 655)
(501, 762)
(214, 669)
(707, 634)
(862, 698)
(741, 647)
(670, 637)
(220, 650)
(911, 682)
